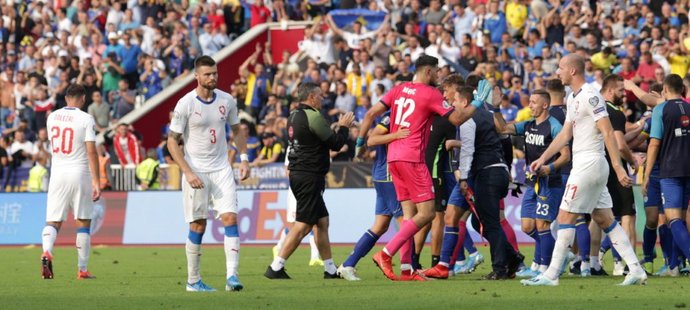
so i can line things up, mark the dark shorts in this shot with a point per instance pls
(386, 200)
(308, 190)
(443, 186)
(621, 197)
(675, 192)
(653, 199)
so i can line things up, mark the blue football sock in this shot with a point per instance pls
(534, 234)
(363, 246)
(450, 238)
(469, 244)
(648, 242)
(583, 239)
(547, 244)
(681, 237)
(605, 245)
(666, 242)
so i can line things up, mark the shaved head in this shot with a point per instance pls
(571, 67)
(576, 62)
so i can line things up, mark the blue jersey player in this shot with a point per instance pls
(544, 187)
(669, 145)
(387, 205)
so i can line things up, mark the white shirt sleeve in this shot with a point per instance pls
(89, 129)
(233, 114)
(468, 132)
(179, 121)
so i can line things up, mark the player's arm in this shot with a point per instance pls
(92, 156)
(364, 126)
(381, 136)
(649, 99)
(561, 161)
(604, 126)
(562, 139)
(335, 139)
(656, 134)
(468, 134)
(460, 116)
(240, 140)
(174, 140)
(625, 151)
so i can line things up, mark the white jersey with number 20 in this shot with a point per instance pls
(202, 125)
(69, 128)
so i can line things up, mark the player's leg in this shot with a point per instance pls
(223, 191)
(583, 237)
(545, 214)
(595, 234)
(196, 207)
(418, 242)
(665, 242)
(48, 237)
(83, 211)
(58, 203)
(507, 228)
(466, 264)
(290, 218)
(528, 224)
(675, 191)
(450, 242)
(314, 258)
(437, 237)
(324, 244)
(649, 234)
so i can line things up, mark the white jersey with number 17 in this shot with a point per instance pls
(69, 129)
(202, 125)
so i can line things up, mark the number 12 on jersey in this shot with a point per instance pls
(404, 108)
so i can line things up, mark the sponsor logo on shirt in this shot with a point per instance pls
(599, 110)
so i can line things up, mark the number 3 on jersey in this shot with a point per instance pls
(213, 136)
(66, 137)
(404, 108)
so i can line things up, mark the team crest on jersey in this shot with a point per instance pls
(594, 101)
(446, 105)
(221, 109)
(291, 132)
(684, 120)
(386, 121)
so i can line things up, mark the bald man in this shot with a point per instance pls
(586, 192)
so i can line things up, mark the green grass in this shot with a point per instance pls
(154, 277)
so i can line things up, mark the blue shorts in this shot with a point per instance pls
(457, 199)
(543, 206)
(675, 192)
(386, 200)
(565, 178)
(653, 198)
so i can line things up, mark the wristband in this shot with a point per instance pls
(360, 142)
(244, 157)
(552, 167)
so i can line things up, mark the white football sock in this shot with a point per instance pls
(232, 255)
(281, 241)
(48, 236)
(404, 267)
(278, 263)
(584, 266)
(542, 268)
(534, 266)
(314, 248)
(329, 266)
(622, 244)
(83, 250)
(594, 261)
(193, 262)
(566, 236)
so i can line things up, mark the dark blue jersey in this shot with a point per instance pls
(671, 125)
(538, 137)
(379, 172)
(559, 112)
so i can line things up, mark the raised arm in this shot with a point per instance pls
(649, 99)
(244, 68)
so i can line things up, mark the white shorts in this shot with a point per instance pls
(291, 206)
(586, 188)
(69, 190)
(219, 194)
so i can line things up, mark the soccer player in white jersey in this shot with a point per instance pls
(74, 178)
(208, 182)
(588, 124)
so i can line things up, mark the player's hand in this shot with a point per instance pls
(346, 120)
(544, 171)
(537, 165)
(629, 84)
(194, 180)
(463, 187)
(402, 133)
(244, 170)
(496, 96)
(623, 177)
(96, 191)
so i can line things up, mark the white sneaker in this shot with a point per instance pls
(348, 273)
(539, 280)
(633, 279)
(675, 272)
(570, 257)
(618, 268)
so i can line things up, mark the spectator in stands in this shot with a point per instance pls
(344, 102)
(147, 172)
(253, 143)
(92, 80)
(129, 59)
(150, 78)
(258, 83)
(42, 145)
(358, 82)
(112, 73)
(104, 167)
(123, 99)
(4, 159)
(100, 111)
(38, 174)
(270, 152)
(508, 110)
(126, 146)
(260, 14)
(212, 40)
(21, 151)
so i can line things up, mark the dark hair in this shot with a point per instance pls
(306, 89)
(657, 87)
(674, 84)
(610, 82)
(472, 80)
(75, 90)
(555, 86)
(204, 61)
(465, 92)
(453, 79)
(426, 61)
(544, 94)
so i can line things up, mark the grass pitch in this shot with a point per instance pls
(154, 277)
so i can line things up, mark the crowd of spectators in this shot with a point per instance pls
(130, 49)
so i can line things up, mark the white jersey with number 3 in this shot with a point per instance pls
(202, 125)
(69, 128)
(585, 108)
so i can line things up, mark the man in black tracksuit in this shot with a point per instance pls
(310, 139)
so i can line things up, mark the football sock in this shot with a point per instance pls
(435, 259)
(48, 236)
(232, 250)
(193, 250)
(583, 238)
(458, 250)
(450, 242)
(605, 245)
(594, 262)
(566, 235)
(665, 241)
(510, 234)
(648, 242)
(83, 247)
(407, 255)
(621, 243)
(314, 248)
(281, 241)
(363, 246)
(681, 237)
(329, 266)
(534, 234)
(547, 242)
(407, 231)
(278, 263)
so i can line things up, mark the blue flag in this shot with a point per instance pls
(371, 20)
